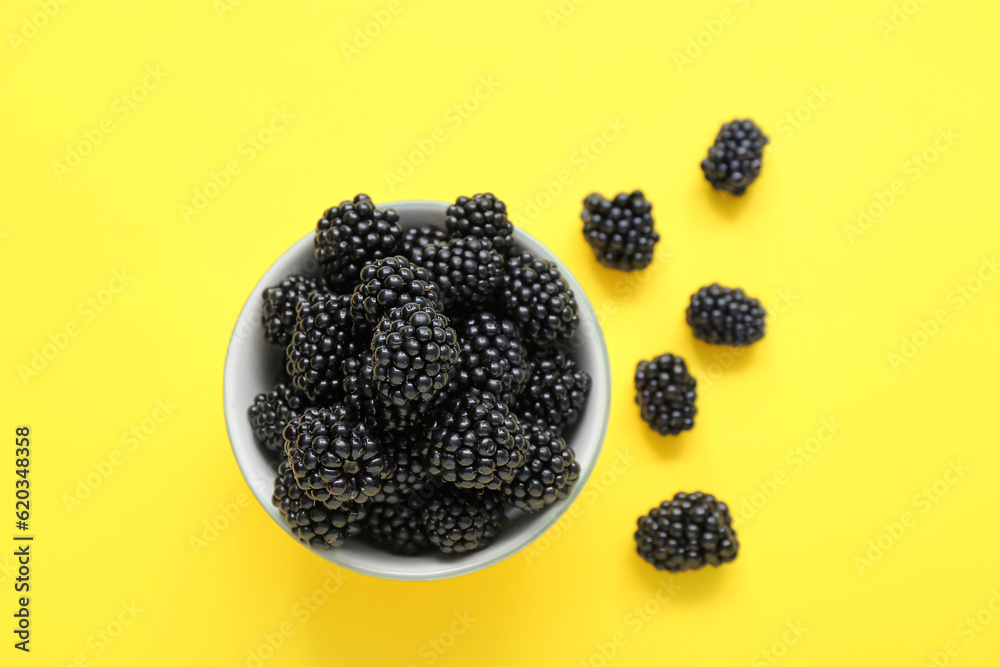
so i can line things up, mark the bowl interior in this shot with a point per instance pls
(253, 366)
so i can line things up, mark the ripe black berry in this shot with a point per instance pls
(312, 522)
(555, 392)
(468, 270)
(280, 303)
(389, 283)
(492, 357)
(353, 234)
(459, 521)
(483, 216)
(406, 452)
(734, 160)
(620, 231)
(549, 473)
(415, 239)
(325, 336)
(413, 353)
(397, 528)
(665, 392)
(360, 393)
(537, 298)
(725, 316)
(687, 533)
(271, 412)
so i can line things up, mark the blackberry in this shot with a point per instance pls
(335, 455)
(492, 357)
(687, 533)
(549, 473)
(324, 336)
(476, 442)
(415, 239)
(537, 298)
(409, 475)
(389, 283)
(555, 392)
(734, 160)
(620, 231)
(483, 216)
(459, 521)
(271, 412)
(360, 394)
(665, 393)
(468, 270)
(280, 303)
(413, 353)
(397, 528)
(725, 316)
(353, 234)
(312, 522)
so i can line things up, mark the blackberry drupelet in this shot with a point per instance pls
(687, 533)
(280, 303)
(482, 216)
(459, 521)
(415, 239)
(397, 528)
(336, 456)
(549, 473)
(271, 412)
(468, 270)
(734, 160)
(492, 357)
(555, 392)
(414, 351)
(620, 231)
(389, 283)
(325, 335)
(312, 522)
(360, 393)
(538, 299)
(476, 442)
(406, 451)
(665, 393)
(353, 234)
(725, 316)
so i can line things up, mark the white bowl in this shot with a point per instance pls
(253, 366)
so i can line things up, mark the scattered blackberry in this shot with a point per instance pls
(665, 393)
(324, 336)
(620, 231)
(537, 298)
(413, 353)
(687, 533)
(313, 523)
(725, 316)
(459, 521)
(335, 455)
(549, 473)
(555, 392)
(406, 452)
(360, 394)
(280, 303)
(353, 234)
(468, 270)
(476, 442)
(483, 216)
(389, 283)
(492, 357)
(397, 528)
(271, 412)
(734, 160)
(415, 239)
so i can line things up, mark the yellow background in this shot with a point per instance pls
(842, 302)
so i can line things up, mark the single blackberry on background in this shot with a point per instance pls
(538, 299)
(397, 528)
(725, 316)
(313, 523)
(468, 270)
(325, 335)
(413, 353)
(555, 392)
(687, 533)
(278, 315)
(406, 451)
(353, 234)
(460, 521)
(665, 393)
(271, 412)
(492, 357)
(476, 442)
(415, 239)
(360, 393)
(549, 473)
(620, 231)
(389, 283)
(336, 456)
(481, 216)
(734, 160)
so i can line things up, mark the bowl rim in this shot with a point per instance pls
(588, 315)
